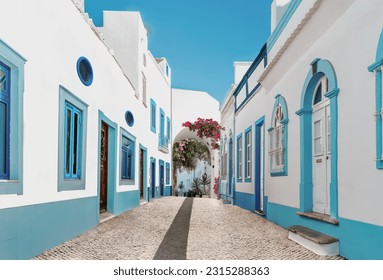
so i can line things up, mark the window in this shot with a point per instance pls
(11, 120)
(278, 137)
(128, 144)
(167, 173)
(4, 120)
(168, 128)
(129, 118)
(224, 160)
(153, 110)
(143, 89)
(72, 141)
(320, 91)
(85, 71)
(248, 143)
(163, 141)
(376, 68)
(239, 158)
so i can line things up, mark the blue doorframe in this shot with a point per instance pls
(153, 176)
(162, 177)
(230, 175)
(145, 175)
(259, 161)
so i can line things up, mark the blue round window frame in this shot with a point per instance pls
(129, 118)
(85, 71)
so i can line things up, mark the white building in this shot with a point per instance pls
(308, 124)
(85, 114)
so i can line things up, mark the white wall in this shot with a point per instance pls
(52, 43)
(350, 53)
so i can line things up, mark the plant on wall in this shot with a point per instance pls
(216, 186)
(206, 128)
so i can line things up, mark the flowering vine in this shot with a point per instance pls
(187, 152)
(216, 186)
(206, 128)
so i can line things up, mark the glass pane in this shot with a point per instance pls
(84, 71)
(75, 144)
(123, 163)
(317, 129)
(318, 94)
(328, 134)
(129, 166)
(3, 137)
(3, 80)
(318, 146)
(68, 140)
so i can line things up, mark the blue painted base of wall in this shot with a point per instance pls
(124, 201)
(168, 191)
(245, 200)
(357, 240)
(30, 230)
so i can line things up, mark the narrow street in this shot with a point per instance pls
(183, 228)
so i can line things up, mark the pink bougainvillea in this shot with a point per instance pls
(216, 186)
(206, 128)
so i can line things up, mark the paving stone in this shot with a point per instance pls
(217, 231)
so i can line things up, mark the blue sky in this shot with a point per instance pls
(200, 38)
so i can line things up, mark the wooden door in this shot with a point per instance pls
(104, 167)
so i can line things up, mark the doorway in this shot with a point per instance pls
(104, 147)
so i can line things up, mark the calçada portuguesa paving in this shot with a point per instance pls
(183, 228)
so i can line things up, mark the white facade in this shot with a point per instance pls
(45, 59)
(321, 151)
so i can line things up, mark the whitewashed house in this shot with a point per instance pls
(84, 123)
(308, 126)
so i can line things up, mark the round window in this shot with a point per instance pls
(84, 71)
(129, 118)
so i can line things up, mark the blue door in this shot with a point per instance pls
(162, 178)
(260, 199)
(153, 178)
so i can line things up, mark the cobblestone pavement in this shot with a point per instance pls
(217, 231)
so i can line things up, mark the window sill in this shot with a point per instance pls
(248, 180)
(278, 173)
(239, 180)
(317, 216)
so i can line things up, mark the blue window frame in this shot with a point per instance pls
(168, 128)
(239, 157)
(11, 120)
(128, 151)
(72, 141)
(163, 141)
(85, 71)
(167, 173)
(278, 133)
(248, 153)
(4, 120)
(153, 109)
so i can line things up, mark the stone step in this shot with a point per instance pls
(260, 213)
(317, 242)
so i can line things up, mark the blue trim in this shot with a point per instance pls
(71, 181)
(153, 107)
(239, 172)
(13, 183)
(168, 129)
(5, 122)
(294, 4)
(324, 68)
(245, 200)
(357, 240)
(112, 161)
(376, 67)
(257, 164)
(88, 68)
(248, 132)
(28, 231)
(129, 118)
(146, 190)
(280, 100)
(129, 152)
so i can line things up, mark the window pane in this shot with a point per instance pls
(3, 80)
(75, 143)
(129, 166)
(318, 146)
(124, 174)
(68, 140)
(318, 94)
(317, 129)
(3, 137)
